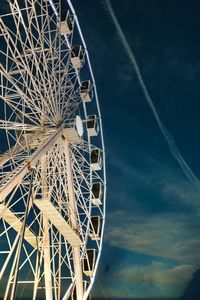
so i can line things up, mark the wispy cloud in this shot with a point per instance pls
(156, 279)
(171, 240)
(166, 180)
(173, 236)
(158, 273)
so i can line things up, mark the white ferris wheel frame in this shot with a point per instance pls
(20, 171)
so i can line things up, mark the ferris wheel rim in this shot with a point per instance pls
(103, 147)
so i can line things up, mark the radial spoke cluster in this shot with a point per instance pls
(52, 168)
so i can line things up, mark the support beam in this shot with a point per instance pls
(16, 224)
(46, 234)
(73, 218)
(47, 261)
(21, 240)
(30, 141)
(16, 176)
(51, 213)
(10, 125)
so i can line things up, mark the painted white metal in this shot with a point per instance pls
(85, 97)
(95, 228)
(64, 28)
(16, 224)
(51, 213)
(86, 91)
(46, 233)
(73, 218)
(89, 265)
(76, 62)
(15, 176)
(96, 159)
(92, 126)
(102, 141)
(39, 88)
(97, 193)
(47, 261)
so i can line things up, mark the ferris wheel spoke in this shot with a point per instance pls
(10, 125)
(87, 163)
(20, 67)
(30, 104)
(53, 258)
(67, 208)
(68, 81)
(41, 41)
(37, 276)
(19, 79)
(63, 81)
(15, 223)
(83, 182)
(21, 150)
(73, 97)
(11, 154)
(18, 110)
(11, 181)
(8, 258)
(73, 217)
(64, 67)
(20, 245)
(30, 53)
(53, 84)
(28, 259)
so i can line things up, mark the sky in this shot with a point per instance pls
(152, 233)
(151, 241)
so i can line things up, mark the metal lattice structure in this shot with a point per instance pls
(52, 166)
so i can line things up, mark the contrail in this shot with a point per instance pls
(167, 135)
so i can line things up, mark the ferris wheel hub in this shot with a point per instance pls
(79, 126)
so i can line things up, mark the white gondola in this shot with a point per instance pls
(92, 125)
(77, 57)
(97, 193)
(66, 23)
(89, 262)
(96, 159)
(86, 91)
(95, 228)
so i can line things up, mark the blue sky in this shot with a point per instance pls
(151, 244)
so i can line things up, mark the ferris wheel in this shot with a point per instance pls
(52, 164)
